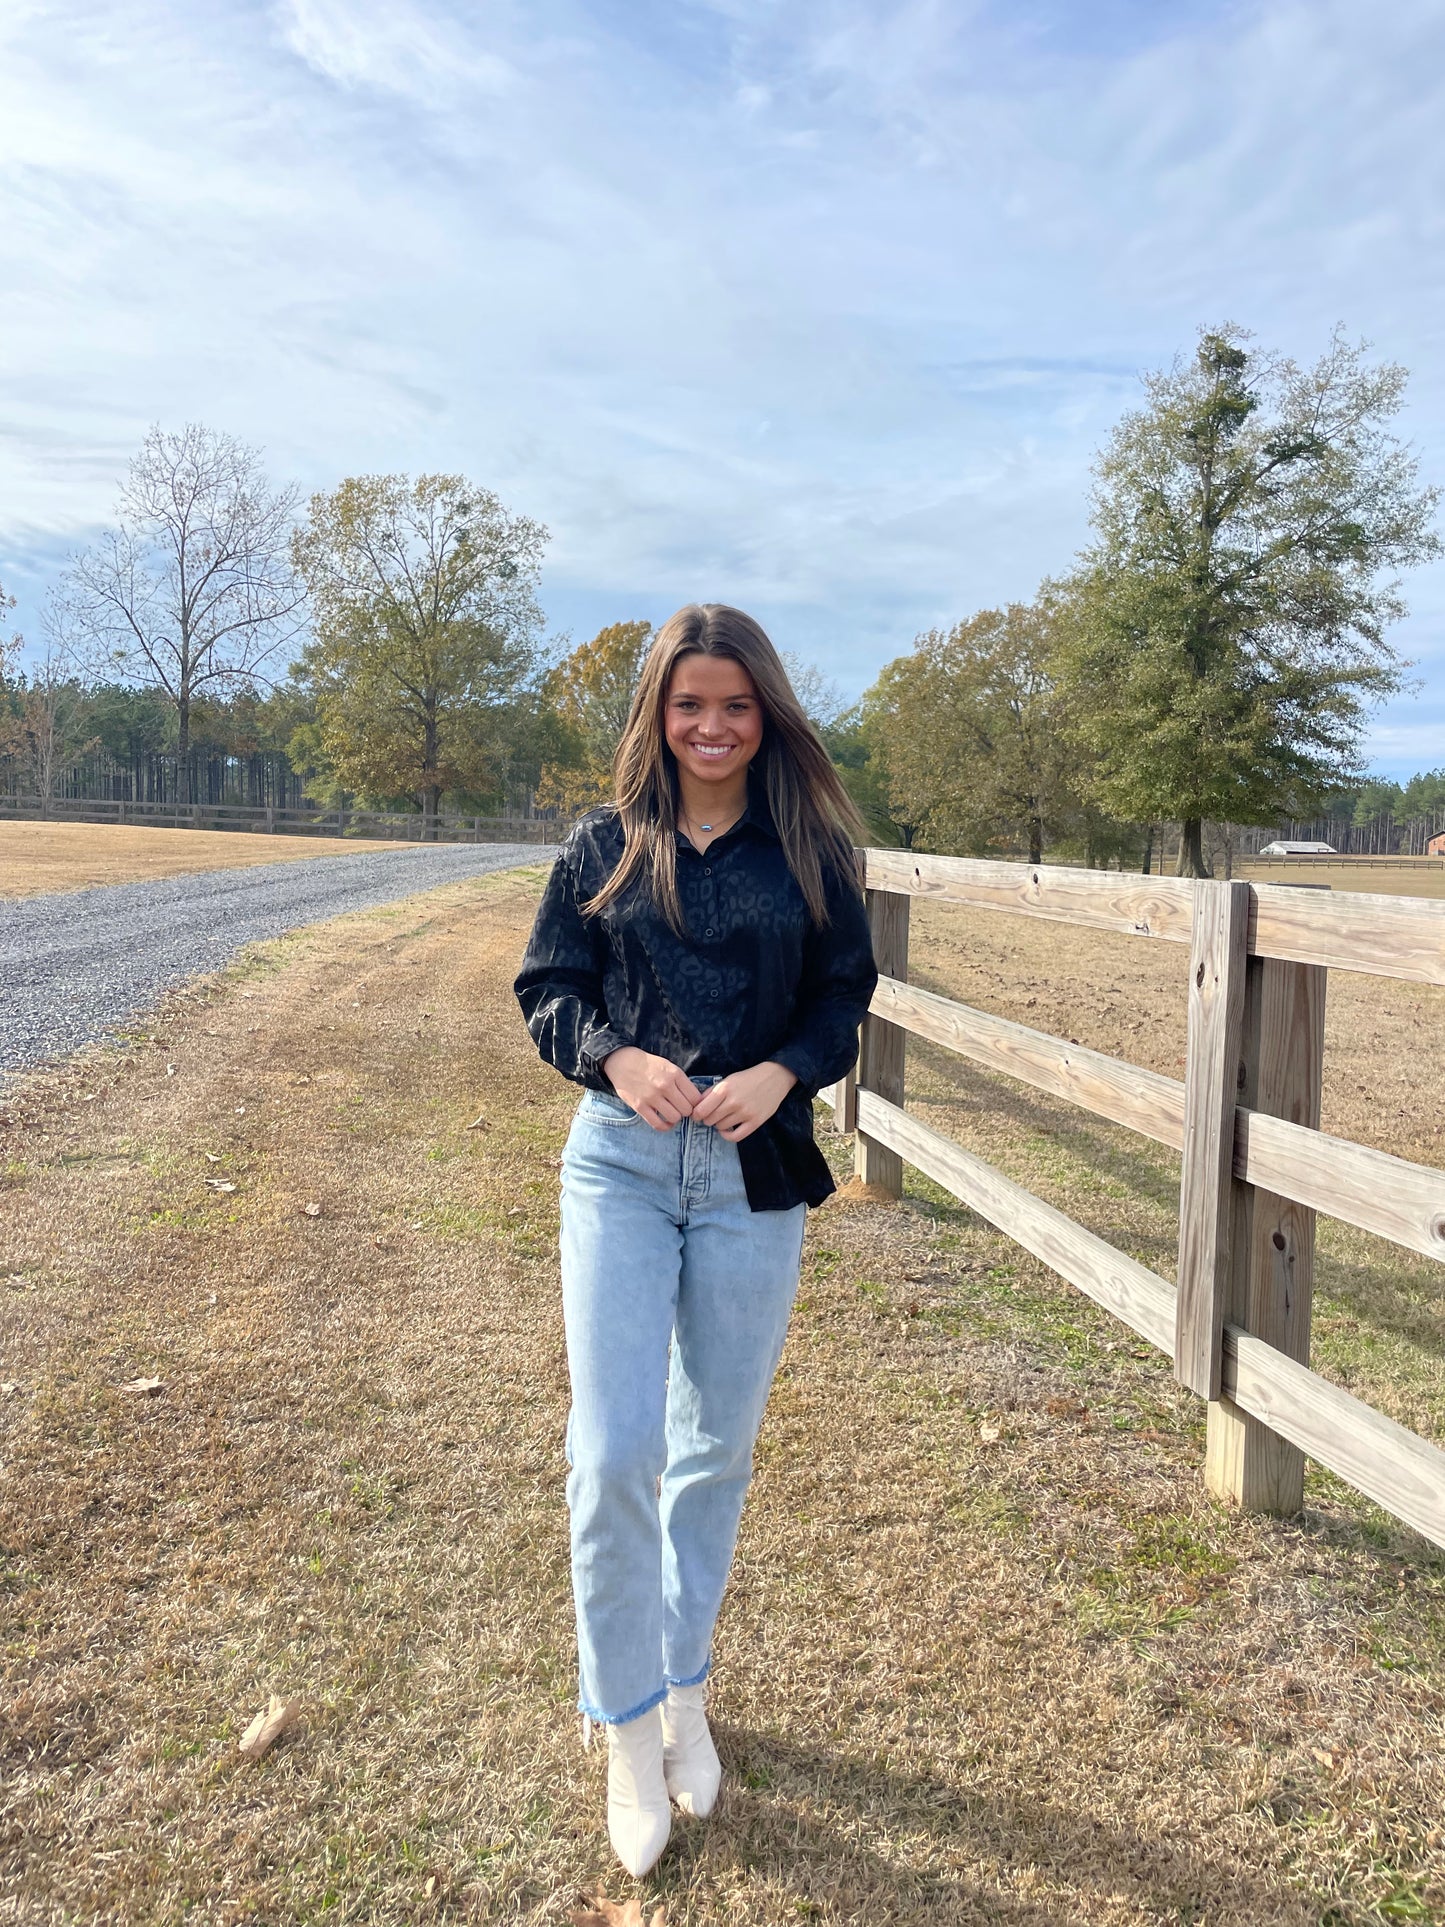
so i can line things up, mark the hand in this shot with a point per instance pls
(736, 1105)
(657, 1090)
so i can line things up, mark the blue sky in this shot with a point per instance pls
(817, 306)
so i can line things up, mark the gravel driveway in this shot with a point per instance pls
(74, 966)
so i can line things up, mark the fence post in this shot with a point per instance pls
(1272, 1272)
(845, 1103)
(1213, 1074)
(880, 1058)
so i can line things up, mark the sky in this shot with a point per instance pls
(820, 307)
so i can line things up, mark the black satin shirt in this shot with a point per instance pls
(753, 980)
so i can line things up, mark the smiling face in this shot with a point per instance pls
(713, 718)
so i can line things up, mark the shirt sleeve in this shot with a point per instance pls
(838, 980)
(560, 984)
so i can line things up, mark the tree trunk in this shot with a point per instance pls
(1149, 851)
(1036, 840)
(183, 748)
(1191, 849)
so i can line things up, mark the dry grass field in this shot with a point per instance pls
(1425, 877)
(990, 1654)
(36, 858)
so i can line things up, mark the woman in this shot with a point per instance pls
(700, 962)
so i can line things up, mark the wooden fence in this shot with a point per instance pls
(1256, 1166)
(395, 825)
(1421, 865)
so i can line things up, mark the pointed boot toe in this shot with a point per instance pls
(639, 1819)
(690, 1762)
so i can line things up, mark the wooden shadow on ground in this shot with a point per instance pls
(807, 1815)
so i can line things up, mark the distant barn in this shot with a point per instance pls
(1301, 849)
(1436, 845)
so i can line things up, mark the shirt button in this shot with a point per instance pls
(712, 993)
(707, 933)
(707, 869)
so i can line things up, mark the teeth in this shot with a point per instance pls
(711, 749)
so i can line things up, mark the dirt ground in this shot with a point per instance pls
(990, 1654)
(36, 858)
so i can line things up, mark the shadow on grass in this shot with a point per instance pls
(806, 1816)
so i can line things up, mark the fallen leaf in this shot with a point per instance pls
(268, 1726)
(220, 1184)
(170, 1070)
(9, 1388)
(1325, 1758)
(989, 1434)
(1065, 1407)
(479, 1124)
(602, 1912)
(213, 1157)
(145, 1387)
(312, 1210)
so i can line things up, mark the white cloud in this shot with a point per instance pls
(406, 49)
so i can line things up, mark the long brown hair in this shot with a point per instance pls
(817, 821)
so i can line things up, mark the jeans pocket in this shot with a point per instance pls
(601, 1107)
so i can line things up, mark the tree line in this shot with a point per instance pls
(1211, 657)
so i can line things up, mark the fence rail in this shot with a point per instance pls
(1255, 1170)
(1345, 860)
(394, 825)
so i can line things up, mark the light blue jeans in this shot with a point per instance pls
(676, 1297)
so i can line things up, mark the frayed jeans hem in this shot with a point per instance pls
(621, 1719)
(696, 1680)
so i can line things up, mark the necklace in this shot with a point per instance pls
(705, 828)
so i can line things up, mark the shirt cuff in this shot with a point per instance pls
(600, 1044)
(798, 1059)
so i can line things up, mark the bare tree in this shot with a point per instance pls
(822, 700)
(194, 588)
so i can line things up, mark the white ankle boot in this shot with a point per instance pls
(690, 1761)
(638, 1816)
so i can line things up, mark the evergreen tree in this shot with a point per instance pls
(1227, 625)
